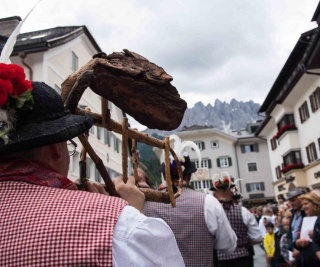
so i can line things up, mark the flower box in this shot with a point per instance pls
(291, 167)
(283, 129)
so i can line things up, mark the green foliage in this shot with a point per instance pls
(150, 160)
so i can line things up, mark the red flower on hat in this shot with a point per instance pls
(15, 90)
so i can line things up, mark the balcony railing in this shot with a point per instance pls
(285, 128)
(292, 166)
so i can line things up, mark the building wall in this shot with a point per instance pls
(306, 133)
(254, 178)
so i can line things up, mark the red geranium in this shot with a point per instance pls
(14, 86)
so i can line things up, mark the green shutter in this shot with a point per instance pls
(248, 187)
(243, 149)
(262, 186)
(230, 161)
(256, 147)
(203, 147)
(209, 164)
(218, 162)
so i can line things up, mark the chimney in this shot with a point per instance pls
(7, 25)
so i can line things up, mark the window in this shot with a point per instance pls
(57, 88)
(200, 144)
(292, 158)
(249, 148)
(106, 137)
(273, 143)
(90, 166)
(311, 152)
(315, 100)
(287, 119)
(116, 144)
(200, 185)
(224, 162)
(278, 172)
(91, 130)
(304, 112)
(255, 187)
(252, 166)
(98, 177)
(319, 143)
(75, 62)
(205, 163)
(214, 144)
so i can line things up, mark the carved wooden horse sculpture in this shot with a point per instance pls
(142, 90)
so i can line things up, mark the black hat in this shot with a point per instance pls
(47, 122)
(187, 166)
(223, 182)
(295, 192)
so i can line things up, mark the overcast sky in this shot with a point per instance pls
(213, 49)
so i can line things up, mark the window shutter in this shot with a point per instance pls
(242, 149)
(203, 147)
(312, 102)
(248, 187)
(218, 162)
(256, 147)
(300, 114)
(308, 154)
(230, 161)
(262, 186)
(209, 164)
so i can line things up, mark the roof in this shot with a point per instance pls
(316, 14)
(291, 71)
(37, 41)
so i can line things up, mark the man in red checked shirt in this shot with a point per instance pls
(46, 220)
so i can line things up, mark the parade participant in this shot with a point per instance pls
(45, 219)
(242, 221)
(198, 220)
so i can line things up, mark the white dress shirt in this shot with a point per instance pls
(140, 241)
(218, 225)
(253, 228)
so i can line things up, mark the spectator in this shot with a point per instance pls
(269, 244)
(296, 221)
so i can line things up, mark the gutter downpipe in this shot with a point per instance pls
(23, 55)
(235, 148)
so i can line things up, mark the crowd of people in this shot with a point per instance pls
(291, 229)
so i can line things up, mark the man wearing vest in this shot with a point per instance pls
(243, 223)
(296, 221)
(45, 219)
(198, 220)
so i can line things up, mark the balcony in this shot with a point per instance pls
(283, 129)
(292, 166)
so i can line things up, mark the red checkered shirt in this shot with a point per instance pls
(45, 226)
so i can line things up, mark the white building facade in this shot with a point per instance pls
(50, 56)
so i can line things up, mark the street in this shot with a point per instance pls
(259, 257)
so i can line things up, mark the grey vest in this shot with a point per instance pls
(188, 225)
(235, 218)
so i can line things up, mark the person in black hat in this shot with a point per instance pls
(45, 219)
(242, 221)
(198, 220)
(296, 221)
